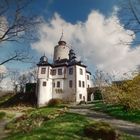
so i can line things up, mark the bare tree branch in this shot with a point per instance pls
(18, 56)
(20, 24)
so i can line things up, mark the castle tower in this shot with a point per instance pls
(44, 82)
(61, 51)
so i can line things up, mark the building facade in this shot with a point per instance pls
(66, 78)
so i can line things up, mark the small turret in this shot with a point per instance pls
(72, 56)
(43, 60)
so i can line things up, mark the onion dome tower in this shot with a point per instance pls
(61, 51)
(43, 60)
(72, 56)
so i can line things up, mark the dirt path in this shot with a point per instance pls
(125, 126)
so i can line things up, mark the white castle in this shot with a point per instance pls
(66, 78)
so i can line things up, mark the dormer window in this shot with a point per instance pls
(43, 70)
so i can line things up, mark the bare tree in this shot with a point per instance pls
(130, 17)
(21, 56)
(16, 25)
(19, 25)
(3, 74)
(32, 74)
(14, 75)
(22, 81)
(101, 79)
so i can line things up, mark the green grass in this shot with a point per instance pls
(65, 126)
(118, 111)
(68, 126)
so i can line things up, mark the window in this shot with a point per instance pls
(59, 71)
(50, 72)
(70, 71)
(53, 84)
(53, 72)
(83, 83)
(87, 77)
(81, 72)
(80, 96)
(44, 84)
(43, 70)
(58, 83)
(70, 83)
(79, 83)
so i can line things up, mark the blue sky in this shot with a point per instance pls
(78, 16)
(70, 10)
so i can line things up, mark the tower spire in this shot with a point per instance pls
(61, 41)
(61, 35)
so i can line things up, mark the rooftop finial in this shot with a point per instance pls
(61, 41)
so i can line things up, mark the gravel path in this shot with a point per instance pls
(125, 126)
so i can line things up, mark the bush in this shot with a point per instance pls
(82, 102)
(98, 95)
(2, 115)
(55, 102)
(100, 130)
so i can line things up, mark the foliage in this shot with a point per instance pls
(2, 115)
(118, 111)
(97, 95)
(127, 94)
(100, 130)
(55, 102)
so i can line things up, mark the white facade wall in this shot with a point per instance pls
(81, 92)
(58, 92)
(75, 93)
(71, 91)
(64, 91)
(44, 91)
(89, 81)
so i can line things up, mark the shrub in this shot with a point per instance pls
(55, 102)
(82, 102)
(2, 115)
(100, 130)
(97, 95)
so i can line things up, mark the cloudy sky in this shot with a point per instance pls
(91, 27)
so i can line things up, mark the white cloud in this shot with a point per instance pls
(96, 41)
(3, 69)
(3, 25)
